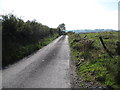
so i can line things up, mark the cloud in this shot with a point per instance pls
(76, 14)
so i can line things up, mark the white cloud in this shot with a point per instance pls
(107, 0)
(76, 14)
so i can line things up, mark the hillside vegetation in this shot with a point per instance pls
(20, 38)
(94, 63)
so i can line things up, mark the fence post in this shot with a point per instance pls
(110, 53)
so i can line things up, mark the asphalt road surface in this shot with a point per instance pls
(49, 67)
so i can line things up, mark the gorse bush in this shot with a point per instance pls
(20, 38)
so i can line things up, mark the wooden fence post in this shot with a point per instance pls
(110, 53)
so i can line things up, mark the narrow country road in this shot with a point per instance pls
(47, 68)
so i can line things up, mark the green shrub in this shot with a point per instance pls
(20, 38)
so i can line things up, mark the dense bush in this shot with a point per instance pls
(20, 38)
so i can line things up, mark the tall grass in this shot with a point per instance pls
(92, 61)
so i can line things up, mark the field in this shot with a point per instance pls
(97, 61)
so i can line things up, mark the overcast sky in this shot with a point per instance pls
(76, 14)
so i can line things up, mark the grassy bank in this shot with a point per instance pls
(20, 51)
(93, 62)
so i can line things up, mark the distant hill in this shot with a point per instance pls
(90, 30)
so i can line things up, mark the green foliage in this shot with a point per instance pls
(60, 29)
(92, 61)
(22, 38)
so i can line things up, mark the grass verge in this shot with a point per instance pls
(92, 61)
(20, 51)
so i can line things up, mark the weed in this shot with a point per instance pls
(97, 66)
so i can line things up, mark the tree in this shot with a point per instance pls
(20, 38)
(61, 29)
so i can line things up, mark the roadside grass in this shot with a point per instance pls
(92, 61)
(21, 51)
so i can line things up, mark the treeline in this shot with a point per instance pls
(20, 38)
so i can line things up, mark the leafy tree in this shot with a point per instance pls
(18, 34)
(61, 28)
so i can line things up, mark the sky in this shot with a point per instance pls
(76, 14)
